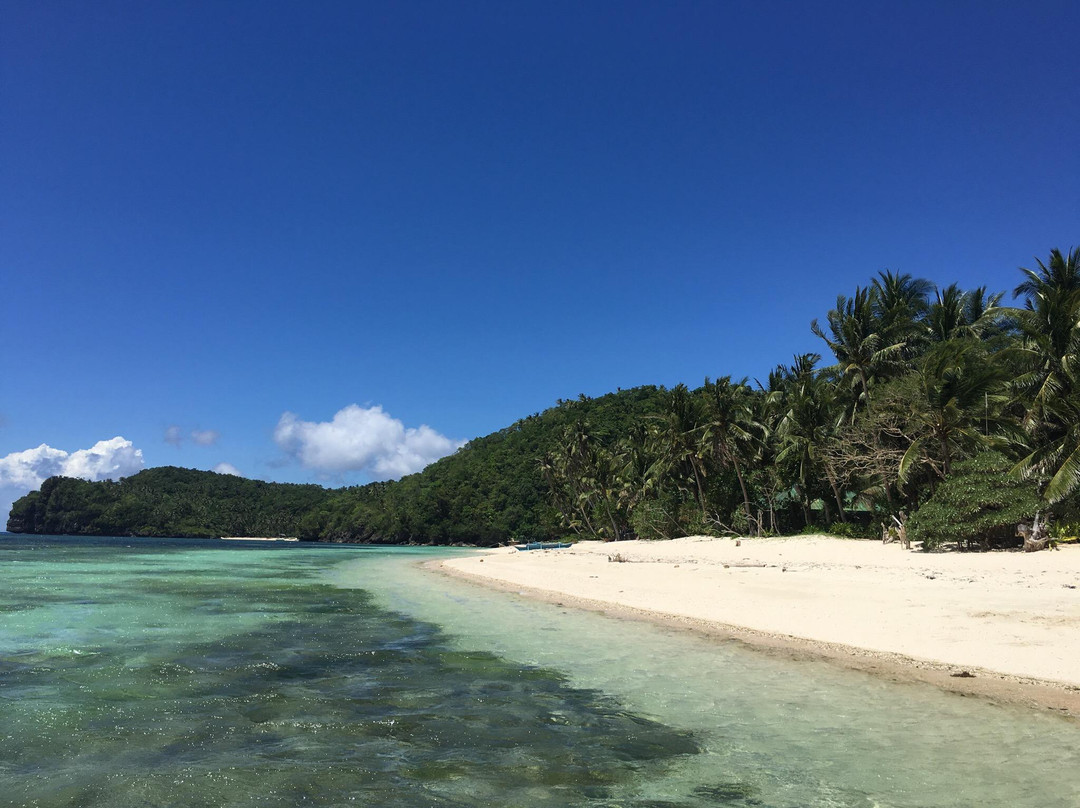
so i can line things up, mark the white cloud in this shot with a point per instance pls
(27, 469)
(106, 459)
(205, 437)
(361, 439)
(174, 435)
(227, 468)
(22, 472)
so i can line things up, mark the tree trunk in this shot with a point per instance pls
(700, 489)
(804, 505)
(746, 496)
(836, 491)
(611, 518)
(866, 390)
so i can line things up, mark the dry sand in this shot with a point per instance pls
(1002, 625)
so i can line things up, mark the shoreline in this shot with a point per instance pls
(773, 615)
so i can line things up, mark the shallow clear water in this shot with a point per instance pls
(143, 674)
(783, 733)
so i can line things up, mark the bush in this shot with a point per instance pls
(651, 522)
(1066, 532)
(693, 523)
(980, 503)
(853, 530)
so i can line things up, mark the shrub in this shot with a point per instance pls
(693, 523)
(980, 503)
(650, 521)
(1066, 532)
(853, 530)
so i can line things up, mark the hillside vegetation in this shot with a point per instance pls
(937, 402)
(490, 491)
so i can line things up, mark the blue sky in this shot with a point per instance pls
(288, 237)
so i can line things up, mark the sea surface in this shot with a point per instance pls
(196, 673)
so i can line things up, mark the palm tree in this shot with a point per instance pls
(678, 439)
(958, 314)
(960, 397)
(731, 434)
(862, 347)
(594, 486)
(983, 313)
(810, 417)
(1057, 453)
(1049, 325)
(636, 463)
(946, 318)
(569, 472)
(900, 304)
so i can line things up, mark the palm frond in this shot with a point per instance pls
(910, 460)
(1066, 480)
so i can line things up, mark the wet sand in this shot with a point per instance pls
(1004, 626)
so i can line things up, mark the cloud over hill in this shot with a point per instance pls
(365, 439)
(21, 472)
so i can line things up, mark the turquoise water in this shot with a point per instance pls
(187, 674)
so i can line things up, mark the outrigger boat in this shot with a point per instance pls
(543, 545)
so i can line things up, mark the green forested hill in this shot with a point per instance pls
(488, 492)
(933, 391)
(165, 501)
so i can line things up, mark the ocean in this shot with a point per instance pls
(193, 673)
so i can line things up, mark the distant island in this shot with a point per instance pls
(945, 416)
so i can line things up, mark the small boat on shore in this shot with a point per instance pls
(540, 545)
(259, 538)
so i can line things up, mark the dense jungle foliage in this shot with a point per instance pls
(941, 403)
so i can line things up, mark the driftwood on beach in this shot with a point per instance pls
(896, 532)
(1035, 535)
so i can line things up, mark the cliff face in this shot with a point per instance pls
(23, 516)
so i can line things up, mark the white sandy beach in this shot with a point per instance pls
(1004, 624)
